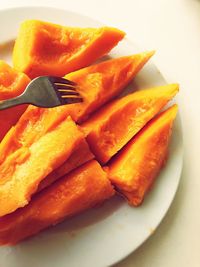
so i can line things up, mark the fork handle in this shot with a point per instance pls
(12, 102)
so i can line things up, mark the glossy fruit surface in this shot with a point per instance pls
(43, 48)
(111, 127)
(136, 167)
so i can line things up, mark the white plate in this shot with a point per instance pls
(102, 236)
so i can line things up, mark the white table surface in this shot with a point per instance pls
(172, 27)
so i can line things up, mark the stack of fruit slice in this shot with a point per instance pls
(50, 158)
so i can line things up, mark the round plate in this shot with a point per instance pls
(102, 236)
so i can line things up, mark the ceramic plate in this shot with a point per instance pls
(105, 235)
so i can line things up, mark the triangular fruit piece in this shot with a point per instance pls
(136, 167)
(111, 127)
(97, 84)
(44, 48)
(84, 188)
(24, 165)
(12, 84)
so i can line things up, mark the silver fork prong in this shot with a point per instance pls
(64, 86)
(66, 92)
(62, 81)
(71, 96)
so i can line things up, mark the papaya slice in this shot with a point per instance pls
(23, 166)
(12, 84)
(99, 83)
(82, 189)
(111, 127)
(136, 167)
(43, 48)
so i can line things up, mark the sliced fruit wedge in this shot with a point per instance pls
(136, 167)
(82, 189)
(111, 127)
(99, 83)
(43, 48)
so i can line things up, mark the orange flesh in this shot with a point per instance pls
(12, 84)
(136, 167)
(110, 128)
(50, 49)
(80, 155)
(83, 188)
(24, 165)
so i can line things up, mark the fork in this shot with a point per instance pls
(47, 92)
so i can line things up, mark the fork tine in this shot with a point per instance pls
(65, 93)
(55, 79)
(65, 86)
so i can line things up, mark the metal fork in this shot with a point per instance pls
(47, 92)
